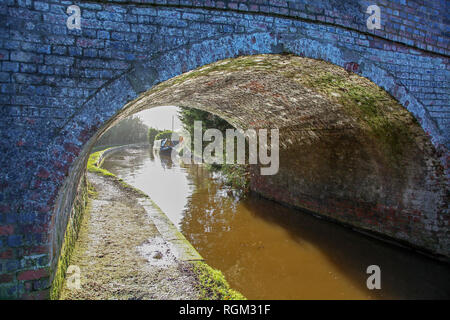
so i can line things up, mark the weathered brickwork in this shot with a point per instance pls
(58, 87)
(348, 150)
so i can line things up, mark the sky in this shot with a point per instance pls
(161, 117)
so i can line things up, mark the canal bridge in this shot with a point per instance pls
(362, 110)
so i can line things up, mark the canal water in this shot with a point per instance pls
(268, 251)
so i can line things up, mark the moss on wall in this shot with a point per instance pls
(81, 205)
(380, 115)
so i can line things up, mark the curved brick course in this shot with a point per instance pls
(59, 87)
(348, 150)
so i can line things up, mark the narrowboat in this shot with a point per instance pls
(164, 146)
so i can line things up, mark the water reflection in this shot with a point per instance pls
(268, 251)
(167, 184)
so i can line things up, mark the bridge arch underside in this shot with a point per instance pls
(348, 150)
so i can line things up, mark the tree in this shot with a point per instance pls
(129, 130)
(236, 175)
(166, 134)
(209, 121)
(187, 117)
(152, 133)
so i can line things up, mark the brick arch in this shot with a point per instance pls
(119, 98)
(145, 73)
(46, 146)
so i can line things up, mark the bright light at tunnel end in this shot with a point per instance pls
(258, 153)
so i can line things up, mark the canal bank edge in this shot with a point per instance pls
(82, 202)
(211, 282)
(182, 248)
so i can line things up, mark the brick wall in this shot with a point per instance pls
(59, 87)
(416, 23)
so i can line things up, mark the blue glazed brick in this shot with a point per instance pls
(42, 48)
(11, 44)
(15, 240)
(60, 50)
(90, 53)
(193, 16)
(103, 34)
(4, 77)
(10, 66)
(128, 37)
(59, 39)
(91, 6)
(75, 51)
(169, 14)
(4, 55)
(41, 6)
(46, 69)
(111, 16)
(12, 265)
(115, 8)
(143, 29)
(144, 11)
(28, 68)
(227, 29)
(115, 26)
(26, 57)
(57, 60)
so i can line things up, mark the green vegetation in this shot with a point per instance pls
(189, 115)
(213, 285)
(81, 206)
(236, 175)
(129, 130)
(94, 164)
(166, 134)
(151, 135)
(155, 134)
(232, 64)
(377, 112)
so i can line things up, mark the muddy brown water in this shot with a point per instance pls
(268, 251)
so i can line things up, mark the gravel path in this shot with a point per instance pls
(121, 253)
